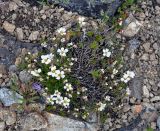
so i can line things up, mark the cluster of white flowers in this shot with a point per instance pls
(56, 73)
(58, 99)
(115, 71)
(61, 31)
(68, 87)
(62, 51)
(107, 98)
(36, 72)
(106, 53)
(81, 21)
(46, 59)
(101, 106)
(128, 76)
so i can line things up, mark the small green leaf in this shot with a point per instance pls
(94, 45)
(96, 73)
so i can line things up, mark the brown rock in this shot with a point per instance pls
(18, 61)
(137, 109)
(3, 69)
(9, 27)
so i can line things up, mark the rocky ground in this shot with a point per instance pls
(21, 28)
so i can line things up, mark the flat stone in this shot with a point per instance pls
(132, 26)
(8, 116)
(20, 34)
(9, 27)
(3, 69)
(158, 1)
(25, 76)
(13, 68)
(12, 6)
(158, 122)
(33, 121)
(145, 91)
(58, 123)
(147, 46)
(2, 126)
(33, 36)
(91, 7)
(136, 87)
(133, 44)
(155, 98)
(9, 97)
(145, 57)
(126, 108)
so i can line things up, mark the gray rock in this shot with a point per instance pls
(158, 122)
(33, 121)
(2, 126)
(155, 98)
(131, 26)
(136, 87)
(20, 34)
(147, 46)
(91, 7)
(12, 6)
(67, 124)
(133, 44)
(145, 91)
(126, 108)
(158, 1)
(8, 116)
(2, 69)
(34, 35)
(25, 76)
(145, 57)
(93, 117)
(9, 97)
(13, 68)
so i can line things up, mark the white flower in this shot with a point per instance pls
(46, 59)
(59, 74)
(127, 76)
(68, 87)
(71, 63)
(106, 53)
(128, 91)
(62, 51)
(70, 44)
(81, 21)
(52, 72)
(59, 100)
(61, 31)
(101, 106)
(36, 72)
(115, 71)
(84, 89)
(44, 44)
(66, 102)
(107, 98)
(63, 40)
(50, 100)
(131, 74)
